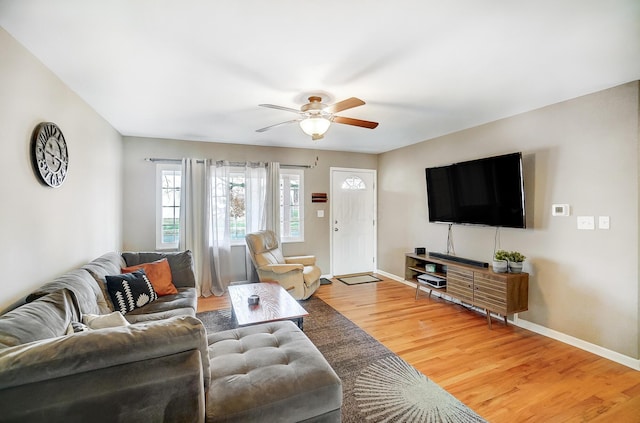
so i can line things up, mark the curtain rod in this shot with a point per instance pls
(158, 160)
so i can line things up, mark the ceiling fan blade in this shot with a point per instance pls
(344, 105)
(286, 109)
(355, 122)
(266, 128)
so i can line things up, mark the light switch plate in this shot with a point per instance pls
(586, 222)
(320, 213)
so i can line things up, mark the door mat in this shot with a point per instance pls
(325, 281)
(355, 280)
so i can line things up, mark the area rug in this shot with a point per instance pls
(355, 280)
(378, 386)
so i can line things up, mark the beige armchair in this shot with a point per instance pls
(298, 275)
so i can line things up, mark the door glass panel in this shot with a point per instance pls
(353, 183)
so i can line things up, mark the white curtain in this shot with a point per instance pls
(272, 198)
(255, 194)
(265, 203)
(220, 242)
(208, 208)
(194, 218)
(255, 206)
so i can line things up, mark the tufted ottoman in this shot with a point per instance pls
(270, 373)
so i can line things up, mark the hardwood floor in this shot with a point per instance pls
(507, 374)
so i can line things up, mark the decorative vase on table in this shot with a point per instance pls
(500, 263)
(500, 266)
(515, 267)
(515, 262)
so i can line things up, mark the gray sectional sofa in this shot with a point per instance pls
(158, 364)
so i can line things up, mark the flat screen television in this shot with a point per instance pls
(488, 191)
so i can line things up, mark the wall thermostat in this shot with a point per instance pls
(560, 210)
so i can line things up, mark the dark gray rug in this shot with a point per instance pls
(378, 386)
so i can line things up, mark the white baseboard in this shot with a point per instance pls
(553, 334)
(578, 343)
(390, 276)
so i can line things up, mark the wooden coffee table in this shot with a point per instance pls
(275, 304)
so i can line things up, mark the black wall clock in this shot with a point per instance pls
(49, 154)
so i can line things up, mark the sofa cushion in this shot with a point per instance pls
(159, 273)
(181, 264)
(107, 264)
(159, 315)
(111, 262)
(130, 290)
(87, 292)
(184, 303)
(47, 317)
(68, 356)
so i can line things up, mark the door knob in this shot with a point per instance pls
(335, 229)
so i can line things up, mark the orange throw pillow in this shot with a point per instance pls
(159, 274)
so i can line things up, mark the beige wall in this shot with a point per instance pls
(582, 152)
(47, 231)
(139, 188)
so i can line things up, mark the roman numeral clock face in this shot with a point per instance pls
(49, 154)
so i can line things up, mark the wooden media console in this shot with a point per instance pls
(501, 293)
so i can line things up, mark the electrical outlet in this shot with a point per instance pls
(603, 222)
(586, 222)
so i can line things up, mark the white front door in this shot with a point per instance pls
(353, 221)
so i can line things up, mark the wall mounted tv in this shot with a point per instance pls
(488, 191)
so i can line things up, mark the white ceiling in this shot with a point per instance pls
(197, 69)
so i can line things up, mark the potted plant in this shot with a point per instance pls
(500, 261)
(515, 261)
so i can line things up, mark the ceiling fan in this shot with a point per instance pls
(315, 117)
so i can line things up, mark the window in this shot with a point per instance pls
(168, 180)
(234, 189)
(231, 195)
(237, 209)
(292, 205)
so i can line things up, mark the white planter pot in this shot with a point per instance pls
(500, 266)
(515, 267)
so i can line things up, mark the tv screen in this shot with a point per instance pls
(487, 191)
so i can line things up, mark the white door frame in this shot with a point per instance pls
(374, 172)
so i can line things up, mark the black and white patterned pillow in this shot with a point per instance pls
(130, 290)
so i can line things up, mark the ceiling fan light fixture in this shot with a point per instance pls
(315, 117)
(315, 126)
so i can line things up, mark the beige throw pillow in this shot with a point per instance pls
(101, 321)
